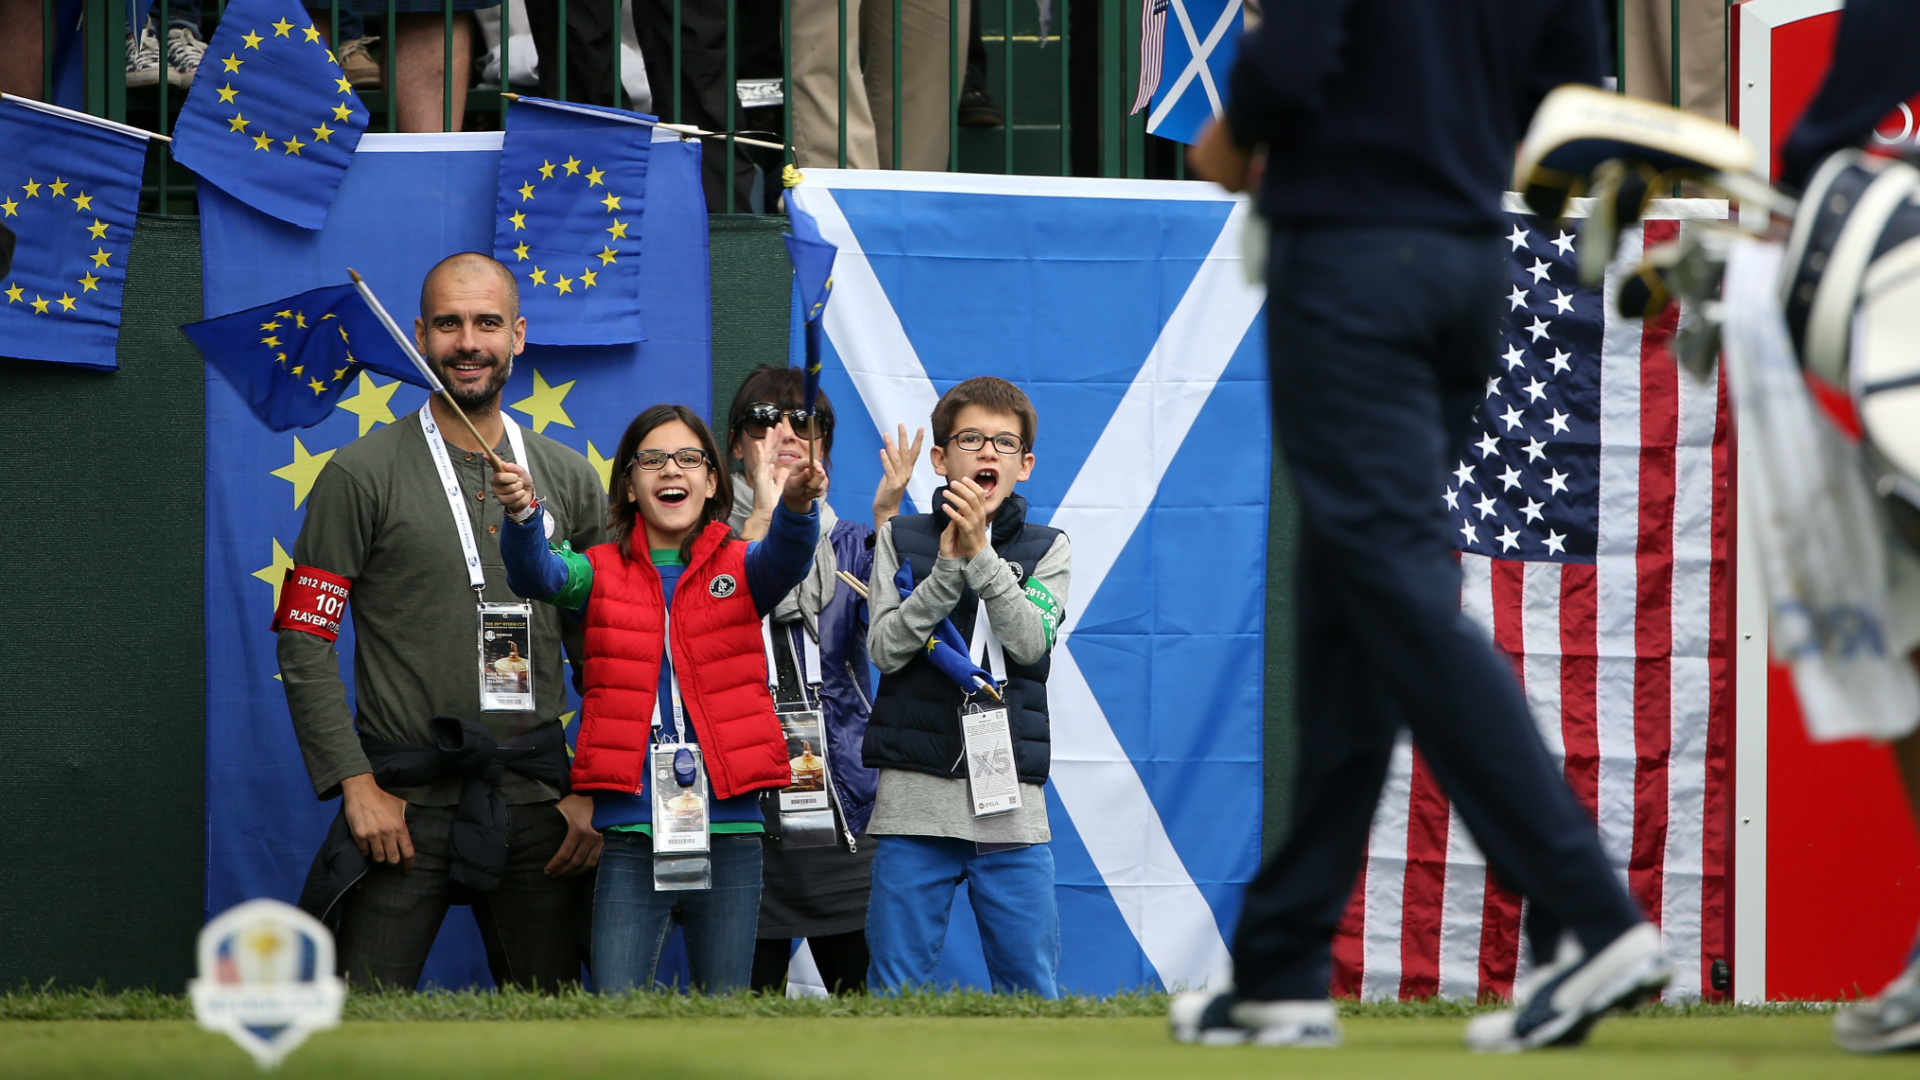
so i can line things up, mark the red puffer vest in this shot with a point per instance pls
(719, 659)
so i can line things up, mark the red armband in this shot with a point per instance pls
(312, 600)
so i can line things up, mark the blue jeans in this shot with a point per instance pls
(632, 921)
(1012, 894)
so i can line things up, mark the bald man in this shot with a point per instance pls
(452, 784)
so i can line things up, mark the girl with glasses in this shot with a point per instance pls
(674, 657)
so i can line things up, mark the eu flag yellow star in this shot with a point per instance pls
(544, 405)
(607, 255)
(602, 466)
(371, 402)
(58, 187)
(318, 387)
(520, 252)
(539, 276)
(14, 293)
(275, 572)
(322, 133)
(293, 145)
(100, 256)
(618, 229)
(572, 165)
(232, 62)
(89, 283)
(519, 220)
(546, 170)
(313, 34)
(303, 471)
(611, 202)
(31, 188)
(11, 208)
(346, 86)
(226, 93)
(526, 191)
(83, 201)
(563, 283)
(342, 113)
(587, 279)
(66, 302)
(281, 28)
(252, 39)
(39, 305)
(594, 177)
(98, 229)
(262, 141)
(238, 122)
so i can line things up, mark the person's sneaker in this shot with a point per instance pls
(977, 110)
(1890, 1021)
(358, 63)
(1222, 1018)
(143, 58)
(184, 50)
(1571, 995)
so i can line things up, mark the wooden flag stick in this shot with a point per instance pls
(859, 587)
(420, 363)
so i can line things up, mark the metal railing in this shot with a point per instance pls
(1064, 91)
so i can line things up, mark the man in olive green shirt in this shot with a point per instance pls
(379, 516)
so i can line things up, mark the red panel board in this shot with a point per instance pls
(1843, 860)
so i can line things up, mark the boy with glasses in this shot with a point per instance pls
(961, 739)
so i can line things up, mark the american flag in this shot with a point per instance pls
(1594, 534)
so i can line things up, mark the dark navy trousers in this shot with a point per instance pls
(1380, 343)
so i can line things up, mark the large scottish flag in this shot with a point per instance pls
(406, 202)
(1123, 309)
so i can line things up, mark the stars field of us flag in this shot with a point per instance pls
(1592, 515)
(271, 118)
(70, 191)
(291, 360)
(573, 182)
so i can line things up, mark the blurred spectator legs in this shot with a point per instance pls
(420, 57)
(927, 49)
(1703, 43)
(816, 87)
(21, 73)
(977, 109)
(183, 45)
(704, 90)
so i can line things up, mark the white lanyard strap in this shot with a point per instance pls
(456, 497)
(985, 643)
(773, 659)
(669, 689)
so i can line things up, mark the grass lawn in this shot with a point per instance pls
(1380, 1043)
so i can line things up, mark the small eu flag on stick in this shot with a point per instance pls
(812, 259)
(69, 191)
(271, 119)
(294, 358)
(573, 184)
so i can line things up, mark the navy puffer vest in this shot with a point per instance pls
(916, 715)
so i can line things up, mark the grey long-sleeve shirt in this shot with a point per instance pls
(919, 804)
(379, 517)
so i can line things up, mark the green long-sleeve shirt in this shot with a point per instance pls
(379, 517)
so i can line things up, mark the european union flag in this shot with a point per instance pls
(573, 181)
(271, 119)
(812, 259)
(946, 649)
(69, 190)
(293, 359)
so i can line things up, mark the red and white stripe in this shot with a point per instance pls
(1625, 664)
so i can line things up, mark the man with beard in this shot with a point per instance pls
(451, 793)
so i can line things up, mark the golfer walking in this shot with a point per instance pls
(1388, 129)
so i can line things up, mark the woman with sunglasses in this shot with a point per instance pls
(818, 639)
(676, 713)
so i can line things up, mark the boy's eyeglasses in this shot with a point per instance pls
(763, 416)
(971, 440)
(690, 458)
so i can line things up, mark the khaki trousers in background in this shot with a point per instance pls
(1703, 54)
(926, 49)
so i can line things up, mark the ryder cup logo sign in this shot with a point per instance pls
(266, 979)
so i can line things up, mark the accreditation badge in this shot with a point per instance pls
(806, 811)
(682, 817)
(506, 657)
(992, 779)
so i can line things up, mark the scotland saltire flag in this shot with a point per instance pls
(1187, 49)
(812, 259)
(573, 183)
(293, 359)
(70, 191)
(1592, 513)
(271, 119)
(1127, 318)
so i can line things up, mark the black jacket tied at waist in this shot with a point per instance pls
(462, 748)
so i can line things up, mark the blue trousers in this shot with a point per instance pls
(914, 878)
(1380, 343)
(719, 923)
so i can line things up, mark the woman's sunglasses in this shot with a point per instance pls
(763, 416)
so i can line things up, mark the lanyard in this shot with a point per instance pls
(985, 642)
(671, 688)
(456, 498)
(807, 657)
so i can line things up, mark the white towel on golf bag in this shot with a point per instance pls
(1819, 529)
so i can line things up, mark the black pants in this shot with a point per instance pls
(1380, 344)
(702, 94)
(537, 929)
(841, 958)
